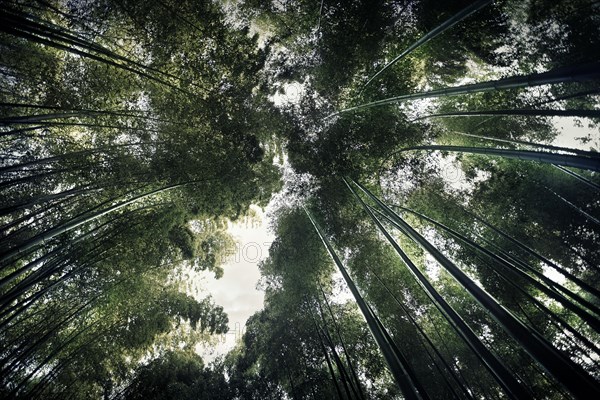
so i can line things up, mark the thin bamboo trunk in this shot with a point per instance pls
(32, 264)
(519, 112)
(30, 348)
(356, 380)
(51, 356)
(429, 342)
(48, 160)
(580, 73)
(89, 112)
(346, 378)
(348, 389)
(533, 253)
(494, 365)
(21, 130)
(551, 290)
(555, 319)
(328, 360)
(18, 25)
(53, 232)
(36, 118)
(31, 23)
(46, 198)
(578, 177)
(570, 374)
(438, 30)
(398, 367)
(539, 145)
(590, 162)
(574, 207)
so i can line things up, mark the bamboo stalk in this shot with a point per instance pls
(580, 73)
(438, 30)
(591, 162)
(570, 374)
(494, 365)
(398, 366)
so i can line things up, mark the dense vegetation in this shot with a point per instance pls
(418, 170)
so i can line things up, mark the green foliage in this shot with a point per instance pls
(123, 123)
(132, 131)
(177, 375)
(362, 144)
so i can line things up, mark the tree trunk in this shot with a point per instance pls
(570, 374)
(533, 113)
(495, 366)
(591, 162)
(397, 366)
(580, 73)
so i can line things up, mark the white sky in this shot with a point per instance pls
(569, 132)
(292, 92)
(236, 291)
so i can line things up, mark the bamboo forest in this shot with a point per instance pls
(429, 172)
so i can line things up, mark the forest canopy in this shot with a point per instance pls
(430, 170)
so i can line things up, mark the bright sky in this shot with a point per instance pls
(569, 132)
(291, 94)
(236, 291)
